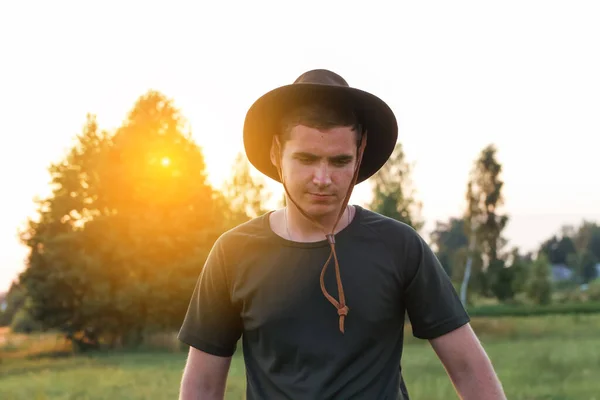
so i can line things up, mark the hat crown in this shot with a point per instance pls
(322, 77)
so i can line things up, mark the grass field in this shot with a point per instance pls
(553, 357)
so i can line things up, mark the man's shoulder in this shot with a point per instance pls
(255, 229)
(385, 226)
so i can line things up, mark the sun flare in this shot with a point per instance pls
(165, 161)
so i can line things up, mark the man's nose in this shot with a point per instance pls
(322, 176)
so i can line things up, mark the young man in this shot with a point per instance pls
(318, 291)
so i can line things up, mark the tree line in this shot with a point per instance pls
(116, 249)
(473, 249)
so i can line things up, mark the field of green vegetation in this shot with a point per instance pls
(553, 357)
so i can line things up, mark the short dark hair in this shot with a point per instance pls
(319, 116)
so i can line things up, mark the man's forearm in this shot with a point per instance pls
(479, 383)
(189, 392)
(204, 376)
(196, 390)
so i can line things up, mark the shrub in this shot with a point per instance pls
(593, 291)
(539, 283)
(22, 322)
(503, 310)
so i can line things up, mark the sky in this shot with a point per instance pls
(459, 75)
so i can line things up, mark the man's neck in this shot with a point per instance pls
(299, 228)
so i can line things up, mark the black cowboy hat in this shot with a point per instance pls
(320, 85)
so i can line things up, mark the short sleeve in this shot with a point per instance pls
(212, 323)
(432, 304)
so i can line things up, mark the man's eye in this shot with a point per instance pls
(341, 163)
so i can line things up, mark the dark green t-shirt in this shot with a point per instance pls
(265, 290)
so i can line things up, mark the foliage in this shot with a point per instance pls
(587, 238)
(539, 281)
(393, 192)
(593, 290)
(511, 310)
(450, 241)
(245, 194)
(584, 263)
(508, 277)
(558, 249)
(501, 280)
(119, 244)
(576, 248)
(520, 267)
(22, 322)
(579, 293)
(483, 221)
(14, 300)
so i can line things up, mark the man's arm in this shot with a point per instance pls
(204, 376)
(212, 327)
(468, 365)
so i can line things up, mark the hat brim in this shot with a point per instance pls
(262, 123)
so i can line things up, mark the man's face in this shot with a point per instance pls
(318, 167)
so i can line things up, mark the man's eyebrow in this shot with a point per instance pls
(304, 154)
(338, 158)
(342, 157)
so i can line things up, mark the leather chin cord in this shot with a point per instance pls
(341, 306)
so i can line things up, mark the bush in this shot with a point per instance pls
(579, 293)
(593, 291)
(14, 300)
(23, 323)
(503, 310)
(539, 283)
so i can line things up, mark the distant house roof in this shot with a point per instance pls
(561, 272)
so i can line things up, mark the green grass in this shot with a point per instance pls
(529, 369)
(153, 375)
(553, 357)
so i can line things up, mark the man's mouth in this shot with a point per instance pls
(321, 195)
